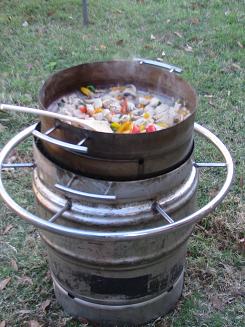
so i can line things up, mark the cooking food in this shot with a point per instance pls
(126, 109)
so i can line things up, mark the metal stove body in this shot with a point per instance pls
(116, 249)
(111, 281)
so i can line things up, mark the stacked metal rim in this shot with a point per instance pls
(117, 156)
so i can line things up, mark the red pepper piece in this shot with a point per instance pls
(150, 129)
(83, 109)
(135, 129)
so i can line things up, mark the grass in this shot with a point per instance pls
(206, 38)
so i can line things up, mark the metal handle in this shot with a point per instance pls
(158, 64)
(68, 146)
(18, 165)
(120, 235)
(209, 164)
(84, 194)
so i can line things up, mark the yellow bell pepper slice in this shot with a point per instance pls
(146, 115)
(85, 91)
(115, 126)
(97, 110)
(124, 127)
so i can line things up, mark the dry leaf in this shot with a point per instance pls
(240, 44)
(24, 312)
(7, 229)
(188, 48)
(4, 283)
(241, 182)
(25, 280)
(102, 47)
(242, 244)
(216, 303)
(178, 34)
(50, 13)
(195, 21)
(3, 323)
(34, 323)
(48, 276)
(235, 66)
(29, 66)
(2, 127)
(153, 37)
(148, 46)
(120, 42)
(13, 264)
(45, 304)
(213, 191)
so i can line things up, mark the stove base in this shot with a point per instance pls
(123, 315)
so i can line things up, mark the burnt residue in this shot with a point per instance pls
(134, 287)
(130, 287)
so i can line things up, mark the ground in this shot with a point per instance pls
(206, 39)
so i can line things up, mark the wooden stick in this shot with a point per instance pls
(96, 125)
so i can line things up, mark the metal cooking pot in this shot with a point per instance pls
(117, 156)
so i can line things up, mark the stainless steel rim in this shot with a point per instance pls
(62, 230)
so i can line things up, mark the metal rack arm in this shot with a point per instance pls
(63, 230)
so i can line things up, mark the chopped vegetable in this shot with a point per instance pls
(146, 115)
(142, 128)
(163, 125)
(115, 126)
(135, 129)
(150, 128)
(124, 127)
(97, 110)
(91, 88)
(83, 109)
(85, 91)
(125, 108)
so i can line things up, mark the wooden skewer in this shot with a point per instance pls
(95, 125)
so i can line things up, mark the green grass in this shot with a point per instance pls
(55, 39)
